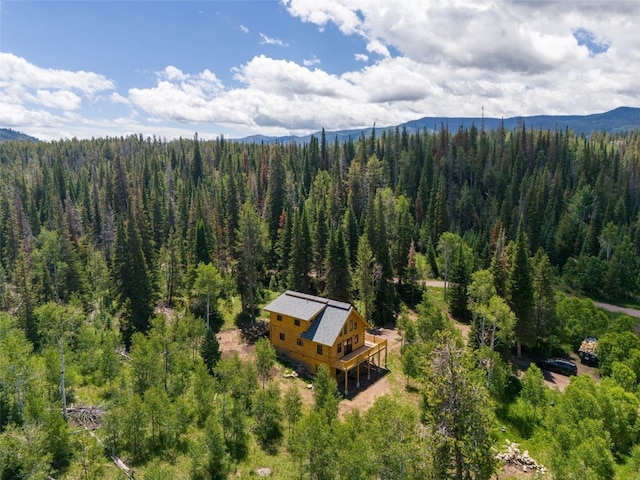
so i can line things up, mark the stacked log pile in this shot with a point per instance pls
(523, 460)
(88, 417)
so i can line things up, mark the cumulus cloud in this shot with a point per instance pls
(40, 97)
(519, 57)
(18, 71)
(422, 58)
(61, 99)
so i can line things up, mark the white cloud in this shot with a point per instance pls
(266, 40)
(375, 46)
(311, 61)
(17, 71)
(61, 99)
(423, 58)
(40, 98)
(519, 58)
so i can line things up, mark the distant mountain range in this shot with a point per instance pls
(7, 134)
(621, 119)
(618, 120)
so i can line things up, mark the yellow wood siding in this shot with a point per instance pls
(307, 353)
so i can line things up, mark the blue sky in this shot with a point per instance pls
(98, 68)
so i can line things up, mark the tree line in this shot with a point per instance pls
(96, 234)
(122, 223)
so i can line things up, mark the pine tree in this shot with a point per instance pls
(135, 293)
(377, 234)
(283, 246)
(365, 276)
(460, 278)
(210, 350)
(457, 408)
(201, 246)
(338, 280)
(520, 289)
(275, 192)
(299, 278)
(352, 235)
(544, 296)
(253, 242)
(197, 171)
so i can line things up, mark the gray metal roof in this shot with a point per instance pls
(327, 316)
(297, 305)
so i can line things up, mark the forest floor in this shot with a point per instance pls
(231, 342)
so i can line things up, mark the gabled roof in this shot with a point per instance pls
(327, 316)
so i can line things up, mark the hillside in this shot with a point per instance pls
(6, 134)
(619, 120)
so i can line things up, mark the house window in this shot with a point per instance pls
(296, 322)
(356, 339)
(350, 325)
(340, 347)
(279, 318)
(282, 336)
(299, 341)
(319, 349)
(355, 325)
(344, 330)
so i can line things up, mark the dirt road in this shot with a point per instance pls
(632, 312)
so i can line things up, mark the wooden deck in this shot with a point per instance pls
(372, 349)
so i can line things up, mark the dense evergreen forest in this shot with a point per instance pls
(99, 237)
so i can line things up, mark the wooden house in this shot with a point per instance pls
(317, 331)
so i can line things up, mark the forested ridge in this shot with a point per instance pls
(97, 235)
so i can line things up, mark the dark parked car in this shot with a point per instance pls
(559, 365)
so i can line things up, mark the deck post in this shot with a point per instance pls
(368, 367)
(346, 382)
(357, 374)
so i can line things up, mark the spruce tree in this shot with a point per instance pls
(134, 289)
(210, 350)
(201, 246)
(338, 280)
(299, 268)
(253, 243)
(275, 193)
(520, 289)
(460, 278)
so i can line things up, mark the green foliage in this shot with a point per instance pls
(366, 273)
(338, 282)
(520, 292)
(268, 417)
(578, 319)
(209, 456)
(312, 446)
(93, 231)
(394, 450)
(325, 393)
(208, 285)
(292, 406)
(251, 248)
(457, 409)
(265, 359)
(210, 350)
